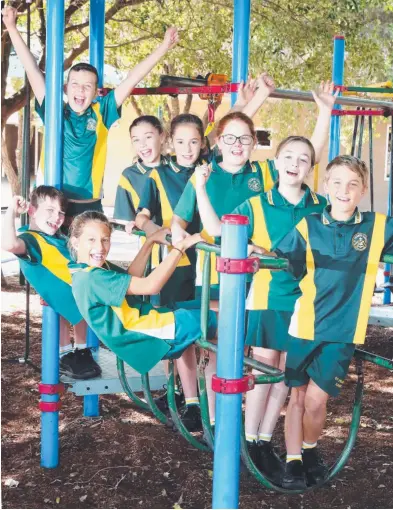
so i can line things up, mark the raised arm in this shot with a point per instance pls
(153, 283)
(34, 74)
(9, 240)
(123, 90)
(265, 86)
(209, 218)
(325, 99)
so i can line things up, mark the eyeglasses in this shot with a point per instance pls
(232, 139)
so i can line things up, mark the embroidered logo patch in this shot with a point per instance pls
(91, 125)
(359, 241)
(254, 184)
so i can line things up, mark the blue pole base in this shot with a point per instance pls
(91, 408)
(50, 440)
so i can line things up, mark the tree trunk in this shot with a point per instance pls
(136, 106)
(10, 172)
(188, 103)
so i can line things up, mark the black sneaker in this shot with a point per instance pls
(314, 467)
(270, 463)
(162, 401)
(294, 476)
(254, 453)
(191, 418)
(79, 364)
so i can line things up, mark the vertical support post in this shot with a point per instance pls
(96, 57)
(230, 366)
(53, 177)
(387, 294)
(338, 78)
(241, 40)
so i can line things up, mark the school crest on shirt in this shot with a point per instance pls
(359, 241)
(254, 184)
(91, 124)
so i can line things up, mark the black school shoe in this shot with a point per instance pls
(270, 463)
(191, 418)
(79, 364)
(294, 477)
(314, 467)
(255, 453)
(162, 401)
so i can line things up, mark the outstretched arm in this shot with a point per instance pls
(34, 74)
(153, 283)
(138, 265)
(123, 90)
(325, 99)
(9, 240)
(209, 218)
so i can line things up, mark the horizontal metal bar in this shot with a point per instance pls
(362, 113)
(295, 95)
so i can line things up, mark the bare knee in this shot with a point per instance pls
(315, 405)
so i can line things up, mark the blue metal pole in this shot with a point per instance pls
(230, 366)
(338, 79)
(53, 177)
(96, 57)
(241, 40)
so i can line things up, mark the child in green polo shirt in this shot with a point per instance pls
(226, 185)
(43, 256)
(336, 254)
(109, 298)
(86, 122)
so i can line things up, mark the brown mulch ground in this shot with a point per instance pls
(125, 459)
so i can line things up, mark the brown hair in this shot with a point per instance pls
(147, 119)
(235, 116)
(187, 118)
(357, 166)
(290, 139)
(83, 66)
(40, 193)
(79, 222)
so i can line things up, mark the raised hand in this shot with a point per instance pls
(202, 174)
(9, 16)
(19, 205)
(171, 38)
(324, 96)
(265, 84)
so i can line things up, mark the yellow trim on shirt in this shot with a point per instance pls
(99, 155)
(126, 185)
(52, 259)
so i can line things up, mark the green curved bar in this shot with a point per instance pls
(338, 465)
(175, 417)
(150, 400)
(374, 358)
(268, 379)
(127, 388)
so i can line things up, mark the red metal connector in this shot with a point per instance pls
(49, 407)
(237, 266)
(221, 385)
(51, 389)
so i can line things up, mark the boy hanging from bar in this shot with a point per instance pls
(43, 256)
(86, 122)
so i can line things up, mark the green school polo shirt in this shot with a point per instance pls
(271, 217)
(226, 191)
(85, 146)
(134, 330)
(45, 266)
(130, 188)
(338, 262)
(160, 196)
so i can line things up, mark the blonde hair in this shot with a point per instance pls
(357, 166)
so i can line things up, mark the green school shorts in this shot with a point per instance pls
(269, 329)
(326, 363)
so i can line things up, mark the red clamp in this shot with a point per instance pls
(221, 385)
(237, 266)
(43, 303)
(51, 389)
(104, 91)
(49, 407)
